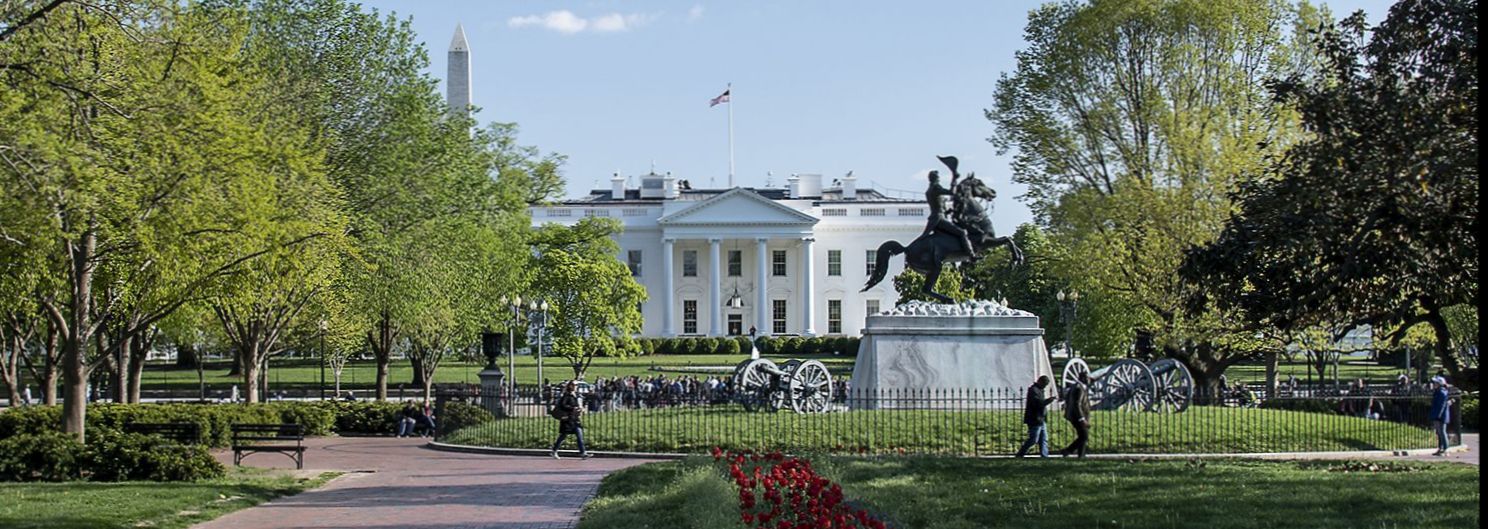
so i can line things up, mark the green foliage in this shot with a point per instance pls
(950, 284)
(679, 495)
(1130, 161)
(178, 505)
(1470, 412)
(727, 346)
(593, 299)
(138, 457)
(457, 415)
(1387, 185)
(43, 456)
(215, 421)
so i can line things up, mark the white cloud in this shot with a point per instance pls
(695, 13)
(568, 23)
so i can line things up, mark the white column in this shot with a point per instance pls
(668, 328)
(715, 311)
(762, 301)
(808, 287)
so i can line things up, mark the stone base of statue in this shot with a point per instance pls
(972, 355)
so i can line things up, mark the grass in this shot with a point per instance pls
(1201, 429)
(670, 495)
(79, 505)
(363, 375)
(955, 493)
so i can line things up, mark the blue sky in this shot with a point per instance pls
(876, 87)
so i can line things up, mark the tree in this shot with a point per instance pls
(123, 125)
(1132, 120)
(950, 284)
(594, 302)
(1373, 218)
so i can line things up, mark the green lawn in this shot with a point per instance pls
(1201, 429)
(83, 505)
(955, 493)
(362, 375)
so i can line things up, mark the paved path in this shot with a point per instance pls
(398, 483)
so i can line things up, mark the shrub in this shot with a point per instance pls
(366, 417)
(648, 346)
(726, 347)
(1469, 409)
(767, 344)
(457, 415)
(133, 457)
(317, 418)
(793, 346)
(744, 344)
(43, 456)
(668, 346)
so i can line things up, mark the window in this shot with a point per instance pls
(735, 263)
(596, 213)
(911, 212)
(735, 324)
(689, 263)
(689, 316)
(872, 305)
(559, 212)
(778, 316)
(871, 212)
(834, 316)
(633, 261)
(872, 260)
(634, 212)
(834, 212)
(834, 262)
(779, 263)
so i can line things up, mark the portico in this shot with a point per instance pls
(731, 226)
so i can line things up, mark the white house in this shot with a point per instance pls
(716, 262)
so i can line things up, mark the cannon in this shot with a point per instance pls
(1128, 384)
(804, 387)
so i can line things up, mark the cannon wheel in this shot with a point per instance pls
(1072, 370)
(1174, 386)
(1126, 384)
(753, 384)
(810, 387)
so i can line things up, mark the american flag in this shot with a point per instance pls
(722, 98)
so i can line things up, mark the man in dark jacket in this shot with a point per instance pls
(1077, 412)
(1441, 412)
(1034, 417)
(569, 410)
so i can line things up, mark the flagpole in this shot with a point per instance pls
(730, 91)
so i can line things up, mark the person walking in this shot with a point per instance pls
(1034, 416)
(1077, 412)
(568, 411)
(1441, 412)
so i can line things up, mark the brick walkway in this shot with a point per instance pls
(407, 486)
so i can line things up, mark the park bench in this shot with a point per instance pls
(181, 432)
(249, 438)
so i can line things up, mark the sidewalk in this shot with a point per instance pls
(397, 483)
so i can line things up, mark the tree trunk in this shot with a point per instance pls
(186, 356)
(1443, 345)
(382, 348)
(418, 370)
(139, 351)
(121, 371)
(78, 327)
(1272, 359)
(237, 364)
(49, 369)
(251, 369)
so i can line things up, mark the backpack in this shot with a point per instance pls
(557, 413)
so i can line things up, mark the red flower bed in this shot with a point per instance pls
(778, 492)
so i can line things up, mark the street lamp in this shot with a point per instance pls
(515, 304)
(539, 314)
(1068, 305)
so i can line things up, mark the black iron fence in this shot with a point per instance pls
(959, 422)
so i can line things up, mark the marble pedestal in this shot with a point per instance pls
(927, 355)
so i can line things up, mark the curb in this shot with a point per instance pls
(538, 452)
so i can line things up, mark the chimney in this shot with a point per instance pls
(793, 186)
(617, 187)
(669, 187)
(849, 187)
(809, 186)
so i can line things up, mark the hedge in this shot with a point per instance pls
(772, 345)
(108, 456)
(213, 420)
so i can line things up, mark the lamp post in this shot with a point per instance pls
(515, 304)
(538, 314)
(1068, 305)
(323, 327)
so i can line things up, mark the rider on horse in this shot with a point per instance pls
(936, 196)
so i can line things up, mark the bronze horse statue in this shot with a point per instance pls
(934, 248)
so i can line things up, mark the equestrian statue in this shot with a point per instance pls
(962, 236)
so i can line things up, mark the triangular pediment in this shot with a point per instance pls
(737, 206)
